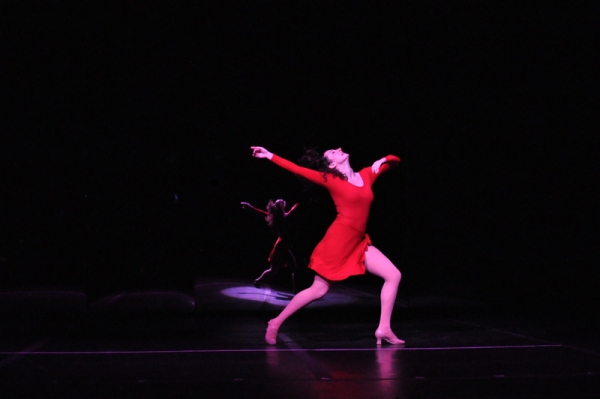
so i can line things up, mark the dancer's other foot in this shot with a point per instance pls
(387, 336)
(271, 334)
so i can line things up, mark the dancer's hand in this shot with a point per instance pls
(260, 152)
(377, 164)
(244, 205)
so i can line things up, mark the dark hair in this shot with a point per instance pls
(275, 215)
(315, 160)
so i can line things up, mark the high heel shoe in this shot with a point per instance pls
(271, 334)
(388, 336)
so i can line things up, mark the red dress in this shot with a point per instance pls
(341, 252)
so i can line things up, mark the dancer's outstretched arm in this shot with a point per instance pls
(247, 205)
(310, 174)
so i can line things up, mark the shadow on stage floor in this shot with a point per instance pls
(209, 343)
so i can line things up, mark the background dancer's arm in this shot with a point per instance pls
(292, 209)
(247, 205)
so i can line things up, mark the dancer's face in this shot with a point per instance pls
(335, 157)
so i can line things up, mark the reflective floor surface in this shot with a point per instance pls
(209, 344)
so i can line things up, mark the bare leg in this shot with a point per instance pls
(317, 290)
(273, 269)
(378, 264)
(264, 275)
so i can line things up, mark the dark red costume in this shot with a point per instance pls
(341, 252)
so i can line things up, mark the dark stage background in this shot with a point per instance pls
(126, 134)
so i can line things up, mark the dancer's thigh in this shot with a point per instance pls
(379, 264)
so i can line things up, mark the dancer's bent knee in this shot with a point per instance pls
(396, 275)
(319, 292)
(319, 287)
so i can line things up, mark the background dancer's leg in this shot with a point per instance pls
(260, 278)
(293, 267)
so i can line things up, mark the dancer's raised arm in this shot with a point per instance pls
(385, 163)
(292, 209)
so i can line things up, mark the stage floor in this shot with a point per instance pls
(210, 344)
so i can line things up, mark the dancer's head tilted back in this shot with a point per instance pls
(322, 162)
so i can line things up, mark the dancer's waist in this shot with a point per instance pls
(351, 224)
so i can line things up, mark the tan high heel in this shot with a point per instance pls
(389, 337)
(271, 334)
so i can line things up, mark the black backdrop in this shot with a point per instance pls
(126, 135)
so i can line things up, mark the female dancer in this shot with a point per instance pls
(346, 249)
(281, 255)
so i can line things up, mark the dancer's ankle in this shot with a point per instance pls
(274, 324)
(385, 328)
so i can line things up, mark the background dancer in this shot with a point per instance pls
(281, 255)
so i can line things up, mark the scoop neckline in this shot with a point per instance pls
(361, 178)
